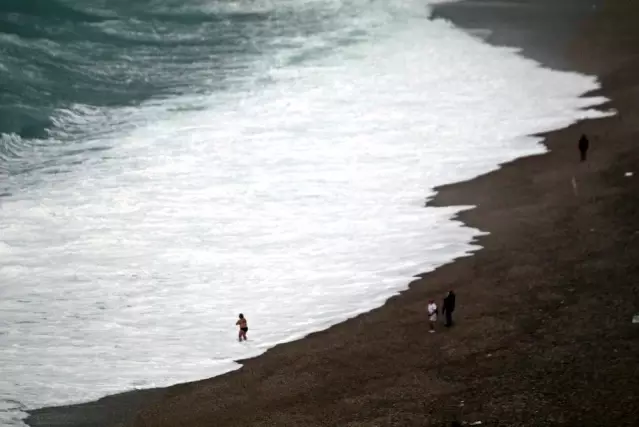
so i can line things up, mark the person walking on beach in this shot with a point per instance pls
(583, 147)
(241, 322)
(432, 315)
(448, 307)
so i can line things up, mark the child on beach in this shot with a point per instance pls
(432, 315)
(243, 327)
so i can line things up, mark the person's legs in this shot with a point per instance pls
(449, 318)
(583, 155)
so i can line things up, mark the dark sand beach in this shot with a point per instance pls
(544, 333)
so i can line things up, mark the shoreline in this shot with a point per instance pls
(341, 371)
(541, 30)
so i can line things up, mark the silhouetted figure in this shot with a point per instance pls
(583, 147)
(448, 307)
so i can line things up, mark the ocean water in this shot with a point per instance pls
(165, 165)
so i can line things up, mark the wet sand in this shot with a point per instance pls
(543, 332)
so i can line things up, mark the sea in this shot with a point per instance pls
(168, 164)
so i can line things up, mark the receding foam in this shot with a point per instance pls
(299, 203)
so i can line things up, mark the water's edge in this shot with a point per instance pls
(483, 19)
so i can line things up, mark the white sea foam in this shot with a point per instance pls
(299, 204)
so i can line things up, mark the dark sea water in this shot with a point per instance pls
(63, 60)
(166, 164)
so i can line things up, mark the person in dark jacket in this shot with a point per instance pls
(583, 147)
(448, 307)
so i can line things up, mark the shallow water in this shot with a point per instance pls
(194, 160)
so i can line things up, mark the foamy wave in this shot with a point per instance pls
(299, 203)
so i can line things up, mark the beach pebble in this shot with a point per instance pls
(628, 174)
(635, 318)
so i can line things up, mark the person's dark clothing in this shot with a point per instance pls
(448, 307)
(583, 147)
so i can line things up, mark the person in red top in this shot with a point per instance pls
(243, 327)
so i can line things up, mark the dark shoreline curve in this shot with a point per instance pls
(541, 29)
(535, 304)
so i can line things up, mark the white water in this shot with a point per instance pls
(299, 204)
